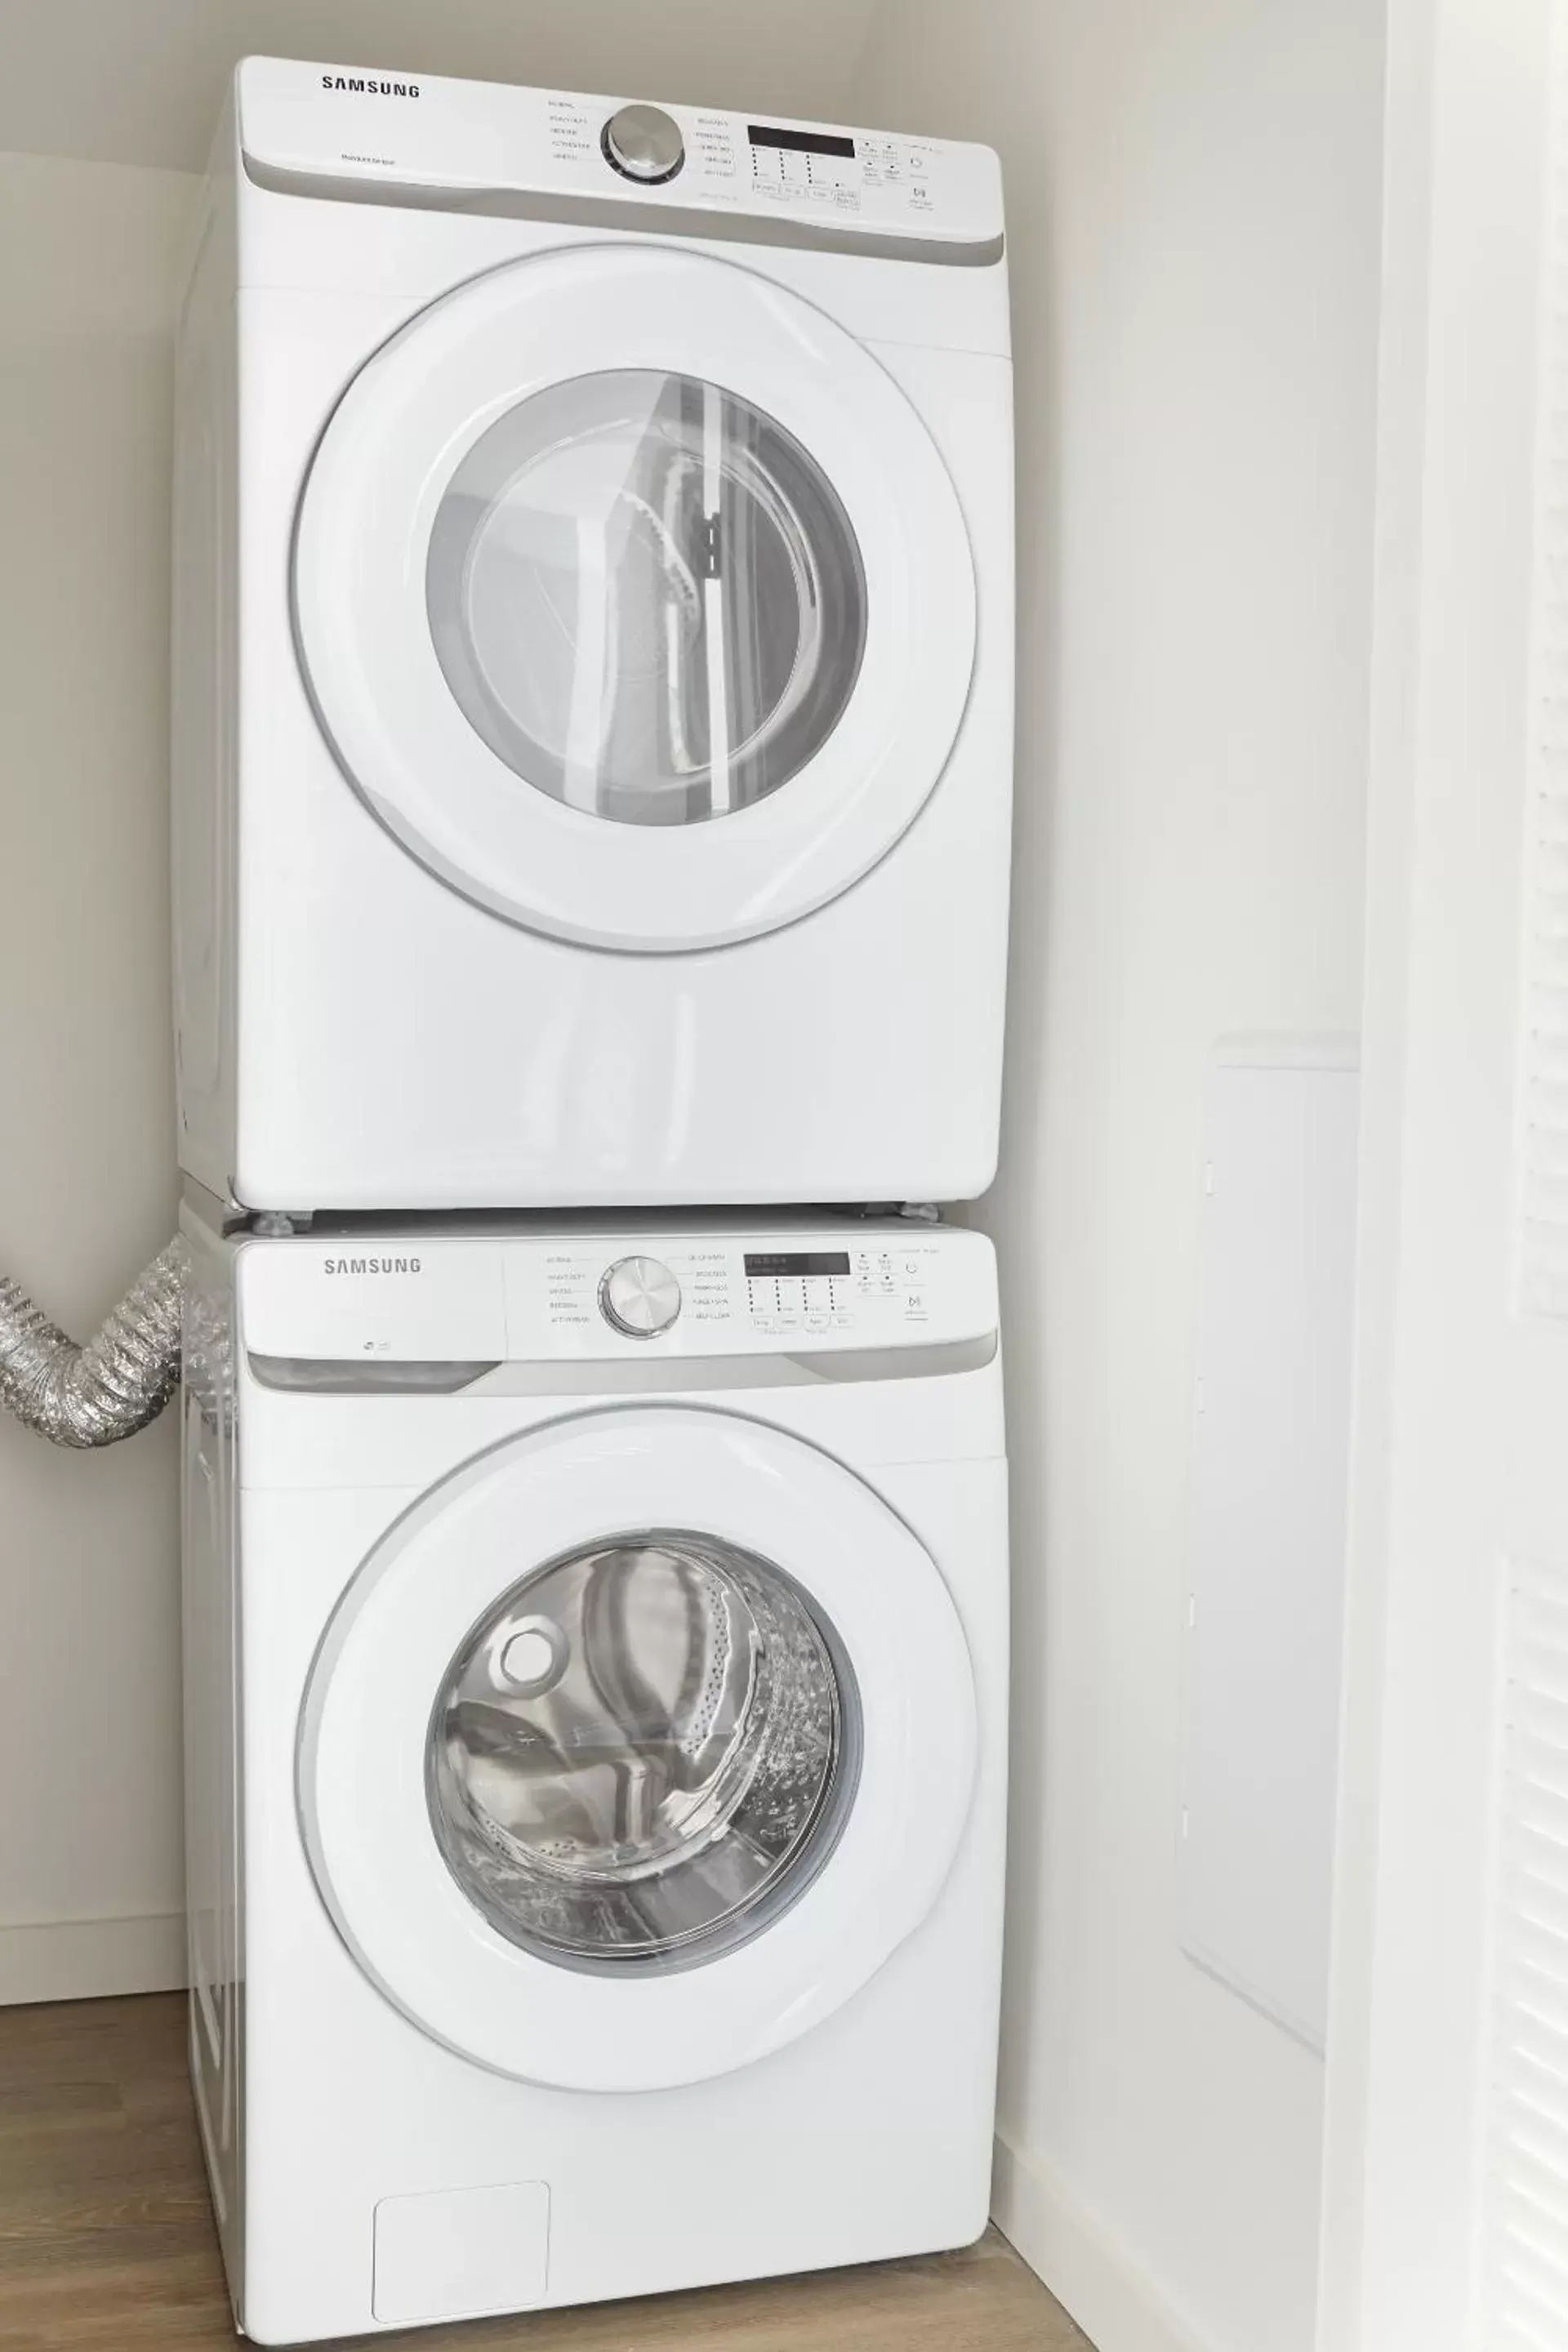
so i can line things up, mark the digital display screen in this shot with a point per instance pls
(801, 142)
(789, 1262)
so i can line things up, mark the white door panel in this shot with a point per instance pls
(1447, 2187)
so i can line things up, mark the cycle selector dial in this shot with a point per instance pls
(643, 143)
(639, 1297)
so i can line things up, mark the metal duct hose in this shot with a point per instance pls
(117, 1383)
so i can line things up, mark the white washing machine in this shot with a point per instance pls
(592, 661)
(596, 1683)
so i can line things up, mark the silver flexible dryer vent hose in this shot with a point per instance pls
(117, 1383)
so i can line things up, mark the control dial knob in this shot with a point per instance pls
(643, 143)
(639, 1297)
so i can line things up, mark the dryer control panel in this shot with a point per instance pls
(577, 1294)
(306, 127)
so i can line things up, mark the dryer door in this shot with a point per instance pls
(636, 1749)
(635, 598)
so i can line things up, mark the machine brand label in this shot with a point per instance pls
(372, 1265)
(369, 86)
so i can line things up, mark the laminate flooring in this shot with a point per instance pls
(106, 2242)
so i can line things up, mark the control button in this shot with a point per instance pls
(643, 143)
(639, 1297)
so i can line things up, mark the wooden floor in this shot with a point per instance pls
(106, 2244)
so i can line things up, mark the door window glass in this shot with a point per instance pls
(645, 597)
(643, 1753)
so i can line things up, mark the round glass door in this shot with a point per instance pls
(633, 1749)
(644, 1753)
(645, 597)
(634, 598)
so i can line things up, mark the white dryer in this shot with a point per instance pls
(596, 1685)
(592, 654)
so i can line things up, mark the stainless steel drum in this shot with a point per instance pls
(643, 1753)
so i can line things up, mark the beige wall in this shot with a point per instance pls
(1194, 208)
(90, 1831)
(141, 81)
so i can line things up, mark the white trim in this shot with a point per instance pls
(1101, 2284)
(1455, 1467)
(85, 1959)
(1401, 466)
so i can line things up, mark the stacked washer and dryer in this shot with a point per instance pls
(592, 760)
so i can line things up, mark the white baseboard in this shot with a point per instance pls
(75, 1959)
(1113, 2300)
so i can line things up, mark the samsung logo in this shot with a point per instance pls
(372, 1265)
(369, 86)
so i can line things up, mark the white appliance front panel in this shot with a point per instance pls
(873, 2132)
(321, 122)
(411, 1050)
(402, 1298)
(408, 1050)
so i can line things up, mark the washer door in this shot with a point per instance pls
(635, 598)
(636, 1749)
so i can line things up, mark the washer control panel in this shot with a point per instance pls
(783, 1292)
(305, 126)
(840, 1290)
(580, 1294)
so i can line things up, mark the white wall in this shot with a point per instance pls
(1194, 203)
(90, 1830)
